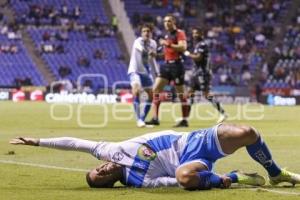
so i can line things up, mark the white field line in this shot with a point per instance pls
(274, 191)
(42, 166)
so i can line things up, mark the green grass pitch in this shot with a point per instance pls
(278, 125)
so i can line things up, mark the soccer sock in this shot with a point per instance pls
(215, 104)
(233, 176)
(136, 106)
(261, 153)
(190, 103)
(209, 180)
(184, 106)
(156, 104)
(146, 109)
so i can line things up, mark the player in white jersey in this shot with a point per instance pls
(141, 69)
(170, 158)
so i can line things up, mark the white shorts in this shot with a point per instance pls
(144, 80)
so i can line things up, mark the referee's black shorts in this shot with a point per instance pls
(173, 70)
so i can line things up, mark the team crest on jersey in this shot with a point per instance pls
(117, 157)
(146, 153)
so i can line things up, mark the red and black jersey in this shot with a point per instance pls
(173, 38)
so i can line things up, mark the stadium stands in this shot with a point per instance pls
(17, 67)
(44, 11)
(72, 37)
(239, 35)
(76, 46)
(153, 11)
(284, 69)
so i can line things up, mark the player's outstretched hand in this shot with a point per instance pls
(25, 141)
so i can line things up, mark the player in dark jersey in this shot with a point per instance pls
(174, 45)
(201, 76)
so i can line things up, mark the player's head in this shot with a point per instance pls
(197, 33)
(170, 22)
(105, 175)
(146, 31)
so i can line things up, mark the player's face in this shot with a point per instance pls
(146, 33)
(169, 23)
(196, 35)
(106, 175)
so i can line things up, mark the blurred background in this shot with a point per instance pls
(82, 47)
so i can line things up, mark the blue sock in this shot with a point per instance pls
(233, 176)
(136, 106)
(209, 180)
(260, 153)
(146, 109)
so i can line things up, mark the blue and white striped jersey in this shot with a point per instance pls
(151, 160)
(140, 61)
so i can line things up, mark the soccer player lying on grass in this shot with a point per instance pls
(170, 158)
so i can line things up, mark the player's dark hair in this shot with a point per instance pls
(172, 16)
(201, 31)
(198, 29)
(92, 184)
(89, 181)
(147, 25)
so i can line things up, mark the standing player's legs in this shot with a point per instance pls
(192, 86)
(136, 87)
(147, 84)
(177, 74)
(205, 86)
(190, 102)
(157, 88)
(232, 137)
(200, 81)
(216, 104)
(148, 103)
(184, 106)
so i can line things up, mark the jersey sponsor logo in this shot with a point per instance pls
(140, 165)
(146, 153)
(118, 156)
